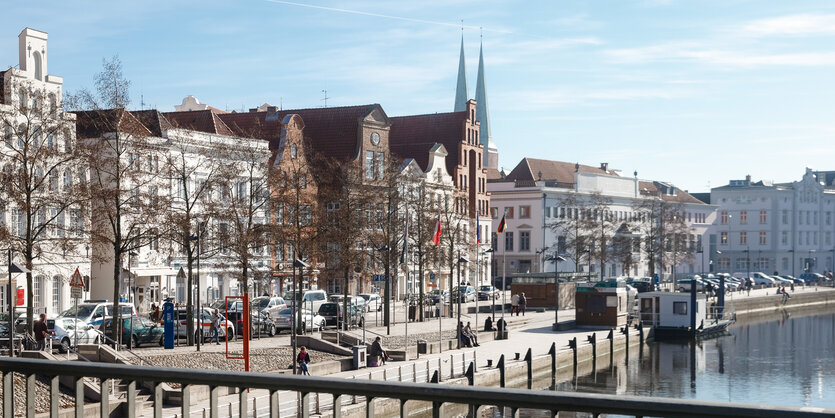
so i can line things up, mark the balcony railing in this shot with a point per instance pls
(430, 397)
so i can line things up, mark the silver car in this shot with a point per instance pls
(66, 330)
(310, 321)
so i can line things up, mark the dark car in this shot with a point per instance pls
(262, 324)
(438, 295)
(144, 330)
(332, 312)
(814, 278)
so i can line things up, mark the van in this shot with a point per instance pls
(311, 299)
(93, 312)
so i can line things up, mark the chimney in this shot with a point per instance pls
(253, 109)
(272, 113)
(604, 167)
(748, 178)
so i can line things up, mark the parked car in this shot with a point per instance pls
(373, 301)
(781, 281)
(262, 323)
(464, 294)
(357, 301)
(795, 280)
(4, 338)
(69, 331)
(332, 312)
(310, 321)
(144, 330)
(226, 325)
(683, 285)
(439, 295)
(642, 284)
(310, 300)
(488, 292)
(270, 305)
(813, 278)
(94, 311)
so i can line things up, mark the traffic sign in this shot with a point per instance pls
(431, 276)
(181, 275)
(76, 285)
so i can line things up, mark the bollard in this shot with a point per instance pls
(470, 373)
(529, 361)
(553, 353)
(500, 366)
(593, 341)
(434, 378)
(572, 343)
(611, 338)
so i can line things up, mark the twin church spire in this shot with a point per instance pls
(491, 159)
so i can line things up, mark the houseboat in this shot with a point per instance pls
(674, 315)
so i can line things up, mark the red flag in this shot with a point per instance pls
(477, 231)
(437, 237)
(502, 225)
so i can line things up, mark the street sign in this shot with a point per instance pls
(181, 275)
(431, 276)
(379, 277)
(76, 285)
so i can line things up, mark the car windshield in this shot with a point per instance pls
(80, 311)
(366, 297)
(261, 302)
(286, 311)
(485, 288)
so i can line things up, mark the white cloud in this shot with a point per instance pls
(795, 25)
(699, 52)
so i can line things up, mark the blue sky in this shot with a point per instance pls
(694, 93)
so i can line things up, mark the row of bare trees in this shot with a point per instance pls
(589, 229)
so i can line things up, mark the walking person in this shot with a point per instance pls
(216, 326)
(523, 303)
(303, 359)
(514, 304)
(41, 331)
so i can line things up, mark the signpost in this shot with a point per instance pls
(76, 290)
(168, 321)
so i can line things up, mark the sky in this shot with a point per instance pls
(690, 92)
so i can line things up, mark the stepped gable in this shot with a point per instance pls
(199, 120)
(414, 136)
(333, 131)
(96, 123)
(561, 171)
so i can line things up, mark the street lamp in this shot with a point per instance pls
(748, 261)
(810, 261)
(387, 291)
(131, 295)
(792, 253)
(13, 268)
(196, 237)
(491, 252)
(460, 295)
(588, 251)
(717, 252)
(557, 259)
(296, 264)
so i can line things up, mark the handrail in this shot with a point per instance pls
(435, 393)
(124, 347)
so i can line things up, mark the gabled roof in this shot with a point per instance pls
(333, 131)
(96, 123)
(651, 188)
(199, 120)
(414, 136)
(560, 171)
(153, 120)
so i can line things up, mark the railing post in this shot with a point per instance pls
(304, 406)
(553, 353)
(611, 338)
(369, 407)
(435, 377)
(186, 407)
(158, 401)
(337, 406)
(414, 372)
(404, 410)
(529, 362)
(625, 332)
(104, 403)
(55, 396)
(213, 395)
(79, 397)
(470, 373)
(275, 405)
(572, 343)
(451, 365)
(592, 339)
(500, 366)
(436, 409)
(131, 412)
(30, 395)
(8, 394)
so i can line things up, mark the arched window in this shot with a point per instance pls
(53, 104)
(38, 291)
(20, 130)
(38, 66)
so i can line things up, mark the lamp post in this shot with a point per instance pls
(557, 259)
(491, 252)
(196, 237)
(748, 261)
(588, 251)
(130, 296)
(13, 268)
(386, 291)
(792, 255)
(810, 262)
(300, 264)
(460, 296)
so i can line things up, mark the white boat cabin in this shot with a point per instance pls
(670, 309)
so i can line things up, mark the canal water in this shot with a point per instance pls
(786, 360)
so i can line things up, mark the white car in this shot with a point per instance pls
(269, 305)
(373, 301)
(65, 330)
(310, 321)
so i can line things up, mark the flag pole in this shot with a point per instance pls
(440, 292)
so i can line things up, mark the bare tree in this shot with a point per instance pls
(125, 179)
(600, 224)
(455, 224)
(39, 183)
(661, 224)
(423, 215)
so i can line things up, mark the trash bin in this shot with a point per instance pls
(421, 346)
(359, 356)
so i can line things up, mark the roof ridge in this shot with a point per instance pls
(428, 114)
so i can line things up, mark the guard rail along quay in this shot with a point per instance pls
(424, 398)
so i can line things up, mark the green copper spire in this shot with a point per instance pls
(483, 116)
(461, 94)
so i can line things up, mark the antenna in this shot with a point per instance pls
(280, 103)
(142, 102)
(325, 99)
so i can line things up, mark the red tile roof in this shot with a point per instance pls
(651, 188)
(199, 120)
(153, 120)
(333, 131)
(563, 172)
(413, 136)
(96, 123)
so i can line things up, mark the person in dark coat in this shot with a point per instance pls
(303, 359)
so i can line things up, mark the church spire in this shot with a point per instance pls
(491, 158)
(461, 92)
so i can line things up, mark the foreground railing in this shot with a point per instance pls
(434, 396)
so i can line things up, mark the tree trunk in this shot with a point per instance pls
(189, 287)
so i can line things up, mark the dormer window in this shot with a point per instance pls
(293, 151)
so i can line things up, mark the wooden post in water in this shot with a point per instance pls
(573, 344)
(500, 366)
(529, 361)
(593, 341)
(553, 353)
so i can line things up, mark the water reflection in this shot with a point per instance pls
(786, 361)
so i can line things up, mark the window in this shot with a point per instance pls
(494, 242)
(723, 238)
(524, 241)
(743, 237)
(785, 216)
(561, 245)
(37, 293)
(785, 263)
(303, 181)
(743, 217)
(784, 238)
(20, 220)
(242, 192)
(524, 212)
(723, 264)
(369, 164)
(306, 215)
(680, 308)
(724, 217)
(741, 264)
(763, 216)
(828, 238)
(293, 151)
(508, 212)
(763, 238)
(381, 165)
(508, 241)
(67, 180)
(829, 218)
(56, 294)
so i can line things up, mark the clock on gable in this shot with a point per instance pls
(375, 138)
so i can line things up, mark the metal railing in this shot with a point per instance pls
(425, 396)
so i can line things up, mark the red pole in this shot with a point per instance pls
(245, 318)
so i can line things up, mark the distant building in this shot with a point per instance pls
(774, 227)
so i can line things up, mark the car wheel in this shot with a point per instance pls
(322, 325)
(272, 330)
(681, 289)
(65, 345)
(135, 341)
(230, 333)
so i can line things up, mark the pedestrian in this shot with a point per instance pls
(514, 304)
(523, 303)
(748, 285)
(378, 354)
(303, 359)
(468, 330)
(156, 315)
(216, 326)
(792, 286)
(41, 331)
